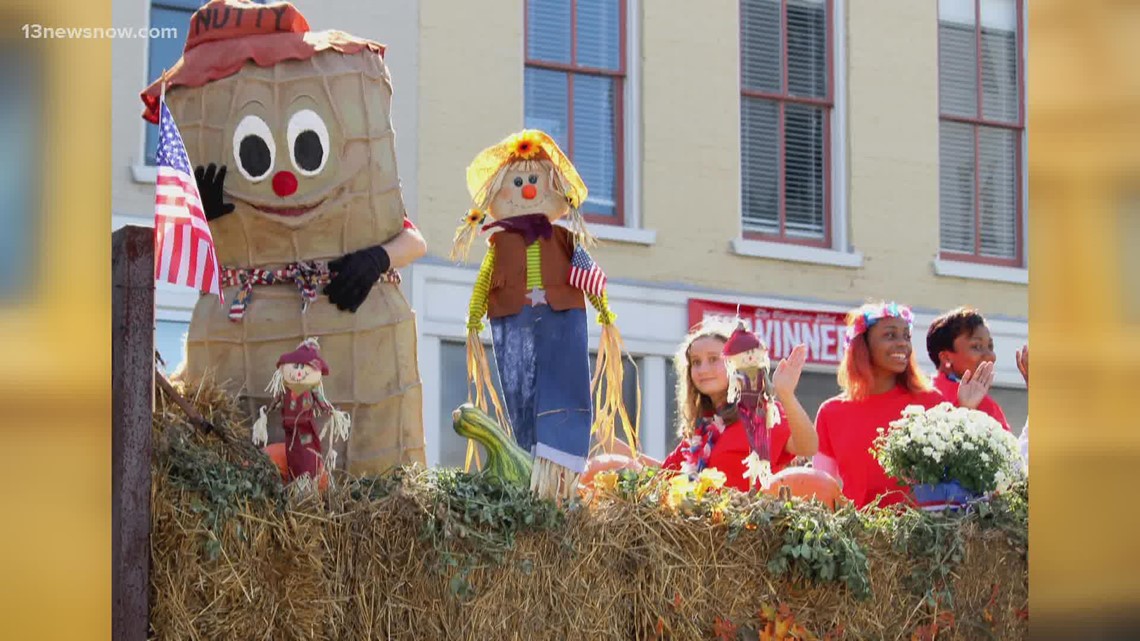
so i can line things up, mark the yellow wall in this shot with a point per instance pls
(471, 96)
(471, 84)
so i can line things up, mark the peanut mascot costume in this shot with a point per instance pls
(299, 124)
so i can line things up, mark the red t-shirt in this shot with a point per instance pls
(949, 391)
(846, 431)
(731, 448)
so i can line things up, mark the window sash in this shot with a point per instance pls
(786, 183)
(981, 131)
(605, 204)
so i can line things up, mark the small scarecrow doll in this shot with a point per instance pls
(746, 358)
(297, 391)
(533, 285)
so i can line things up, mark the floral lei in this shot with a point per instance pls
(867, 319)
(698, 447)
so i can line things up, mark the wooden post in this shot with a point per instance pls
(132, 401)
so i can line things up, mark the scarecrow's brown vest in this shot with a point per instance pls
(508, 293)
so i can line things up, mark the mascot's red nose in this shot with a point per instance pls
(529, 192)
(284, 183)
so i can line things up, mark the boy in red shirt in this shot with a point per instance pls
(957, 343)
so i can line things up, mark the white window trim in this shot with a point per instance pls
(981, 271)
(171, 302)
(841, 253)
(143, 173)
(623, 234)
(796, 253)
(631, 231)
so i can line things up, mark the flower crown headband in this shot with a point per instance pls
(867, 319)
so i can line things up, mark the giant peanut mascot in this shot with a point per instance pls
(292, 134)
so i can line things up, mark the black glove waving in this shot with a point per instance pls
(210, 180)
(354, 276)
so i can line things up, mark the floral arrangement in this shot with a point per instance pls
(947, 444)
(688, 495)
(864, 321)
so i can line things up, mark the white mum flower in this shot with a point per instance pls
(913, 410)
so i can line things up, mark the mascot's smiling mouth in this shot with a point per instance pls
(288, 211)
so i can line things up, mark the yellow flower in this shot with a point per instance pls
(679, 489)
(525, 145)
(474, 217)
(606, 481)
(709, 479)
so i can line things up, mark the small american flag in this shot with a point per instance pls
(183, 247)
(585, 273)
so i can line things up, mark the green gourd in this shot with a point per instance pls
(505, 459)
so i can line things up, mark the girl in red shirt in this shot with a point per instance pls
(959, 343)
(879, 376)
(703, 411)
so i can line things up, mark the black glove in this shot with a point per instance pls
(210, 180)
(354, 276)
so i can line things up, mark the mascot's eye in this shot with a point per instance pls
(254, 149)
(518, 181)
(533, 179)
(308, 142)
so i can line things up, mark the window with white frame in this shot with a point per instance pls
(786, 103)
(170, 342)
(574, 85)
(981, 127)
(162, 53)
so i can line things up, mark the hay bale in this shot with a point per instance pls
(442, 555)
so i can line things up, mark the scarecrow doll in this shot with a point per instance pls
(297, 391)
(746, 358)
(293, 134)
(533, 285)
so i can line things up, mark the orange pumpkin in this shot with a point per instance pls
(807, 483)
(276, 453)
(608, 463)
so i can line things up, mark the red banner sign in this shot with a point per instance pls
(782, 329)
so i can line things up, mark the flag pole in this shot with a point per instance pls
(162, 88)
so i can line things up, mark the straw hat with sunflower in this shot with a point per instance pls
(529, 150)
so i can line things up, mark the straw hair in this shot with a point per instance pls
(480, 389)
(607, 385)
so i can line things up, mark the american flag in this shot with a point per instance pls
(183, 247)
(585, 273)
